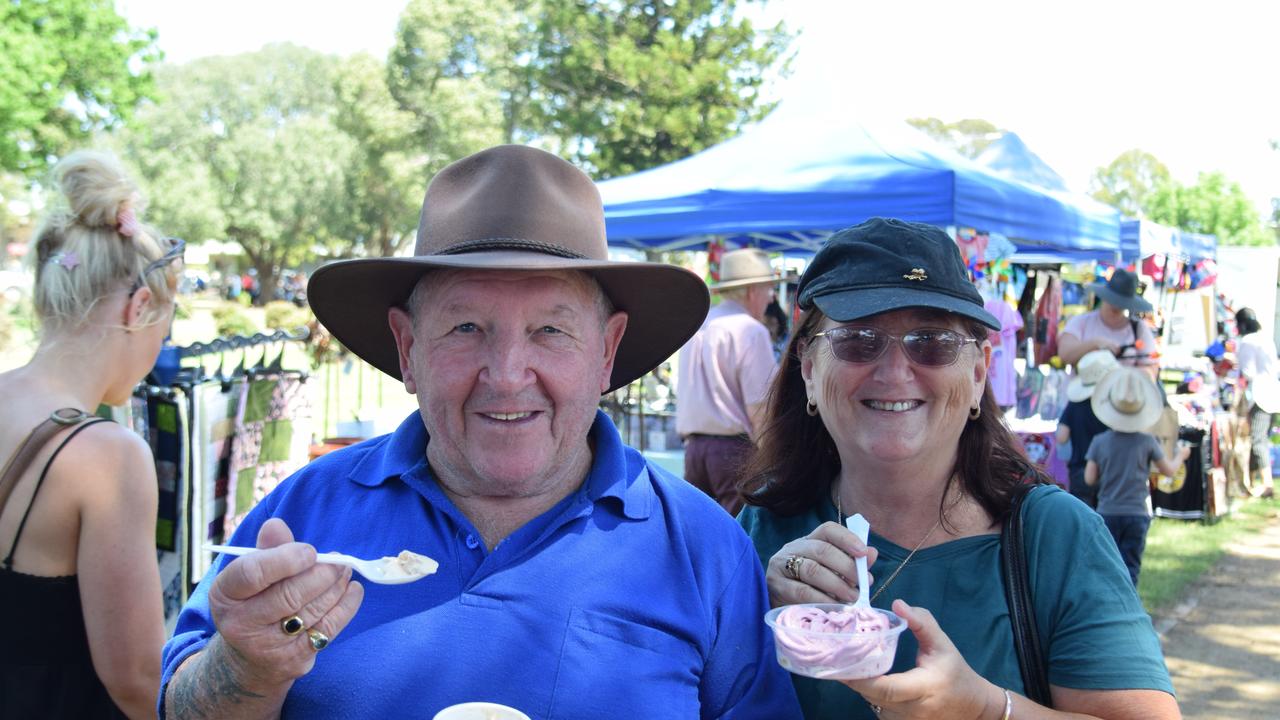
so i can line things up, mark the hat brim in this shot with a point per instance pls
(774, 280)
(1152, 406)
(1078, 391)
(850, 305)
(665, 304)
(1133, 304)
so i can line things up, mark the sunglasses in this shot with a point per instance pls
(177, 247)
(931, 347)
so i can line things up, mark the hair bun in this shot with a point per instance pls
(98, 192)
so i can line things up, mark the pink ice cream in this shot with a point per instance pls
(848, 643)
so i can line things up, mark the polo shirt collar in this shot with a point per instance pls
(617, 471)
(399, 453)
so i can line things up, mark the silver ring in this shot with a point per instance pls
(319, 640)
(875, 709)
(791, 568)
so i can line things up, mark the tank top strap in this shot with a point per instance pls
(17, 464)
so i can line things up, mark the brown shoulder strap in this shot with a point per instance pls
(26, 452)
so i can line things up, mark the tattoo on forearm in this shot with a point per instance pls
(208, 687)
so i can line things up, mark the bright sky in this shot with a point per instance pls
(1192, 83)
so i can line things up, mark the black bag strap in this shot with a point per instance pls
(1017, 589)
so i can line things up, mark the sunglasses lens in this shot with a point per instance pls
(858, 345)
(932, 347)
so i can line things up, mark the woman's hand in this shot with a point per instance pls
(940, 685)
(253, 596)
(818, 567)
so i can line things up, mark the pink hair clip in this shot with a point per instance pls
(68, 260)
(126, 222)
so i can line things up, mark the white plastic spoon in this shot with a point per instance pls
(391, 570)
(860, 527)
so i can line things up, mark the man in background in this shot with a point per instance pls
(725, 371)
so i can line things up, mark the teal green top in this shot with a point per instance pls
(1092, 625)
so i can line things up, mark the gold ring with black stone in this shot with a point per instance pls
(292, 625)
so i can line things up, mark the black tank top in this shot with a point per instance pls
(45, 668)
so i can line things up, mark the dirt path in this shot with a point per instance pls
(1222, 642)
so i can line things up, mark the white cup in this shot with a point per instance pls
(480, 711)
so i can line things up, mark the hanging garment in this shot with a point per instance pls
(167, 437)
(1002, 377)
(273, 431)
(213, 423)
(1048, 312)
(1029, 384)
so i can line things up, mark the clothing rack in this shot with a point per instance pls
(239, 342)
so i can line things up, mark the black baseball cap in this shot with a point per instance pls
(885, 264)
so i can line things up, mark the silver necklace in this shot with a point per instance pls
(884, 585)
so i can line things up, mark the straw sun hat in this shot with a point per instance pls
(1127, 400)
(1094, 366)
(747, 266)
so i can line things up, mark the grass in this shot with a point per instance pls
(1180, 551)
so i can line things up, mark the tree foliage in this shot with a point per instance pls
(454, 69)
(387, 175)
(618, 87)
(1213, 206)
(68, 68)
(1129, 182)
(245, 148)
(968, 137)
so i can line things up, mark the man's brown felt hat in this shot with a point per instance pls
(512, 207)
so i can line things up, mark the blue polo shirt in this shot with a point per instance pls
(635, 596)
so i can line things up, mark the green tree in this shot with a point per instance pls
(245, 148)
(68, 68)
(619, 87)
(1214, 206)
(967, 137)
(628, 86)
(387, 178)
(1129, 182)
(454, 69)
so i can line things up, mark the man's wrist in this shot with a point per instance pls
(216, 680)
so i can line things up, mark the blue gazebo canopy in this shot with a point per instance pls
(790, 180)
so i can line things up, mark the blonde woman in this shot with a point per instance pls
(80, 598)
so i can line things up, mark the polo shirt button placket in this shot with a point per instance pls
(472, 541)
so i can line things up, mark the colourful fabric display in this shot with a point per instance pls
(272, 431)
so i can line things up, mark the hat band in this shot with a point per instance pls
(1128, 406)
(489, 244)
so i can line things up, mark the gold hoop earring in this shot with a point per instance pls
(975, 413)
(811, 407)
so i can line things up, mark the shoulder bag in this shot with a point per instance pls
(1017, 589)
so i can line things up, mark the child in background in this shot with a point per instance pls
(1078, 425)
(1128, 402)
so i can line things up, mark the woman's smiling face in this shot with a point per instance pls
(893, 410)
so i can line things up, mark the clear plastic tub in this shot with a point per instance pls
(864, 650)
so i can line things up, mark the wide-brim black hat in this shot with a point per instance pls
(512, 208)
(1122, 291)
(885, 264)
